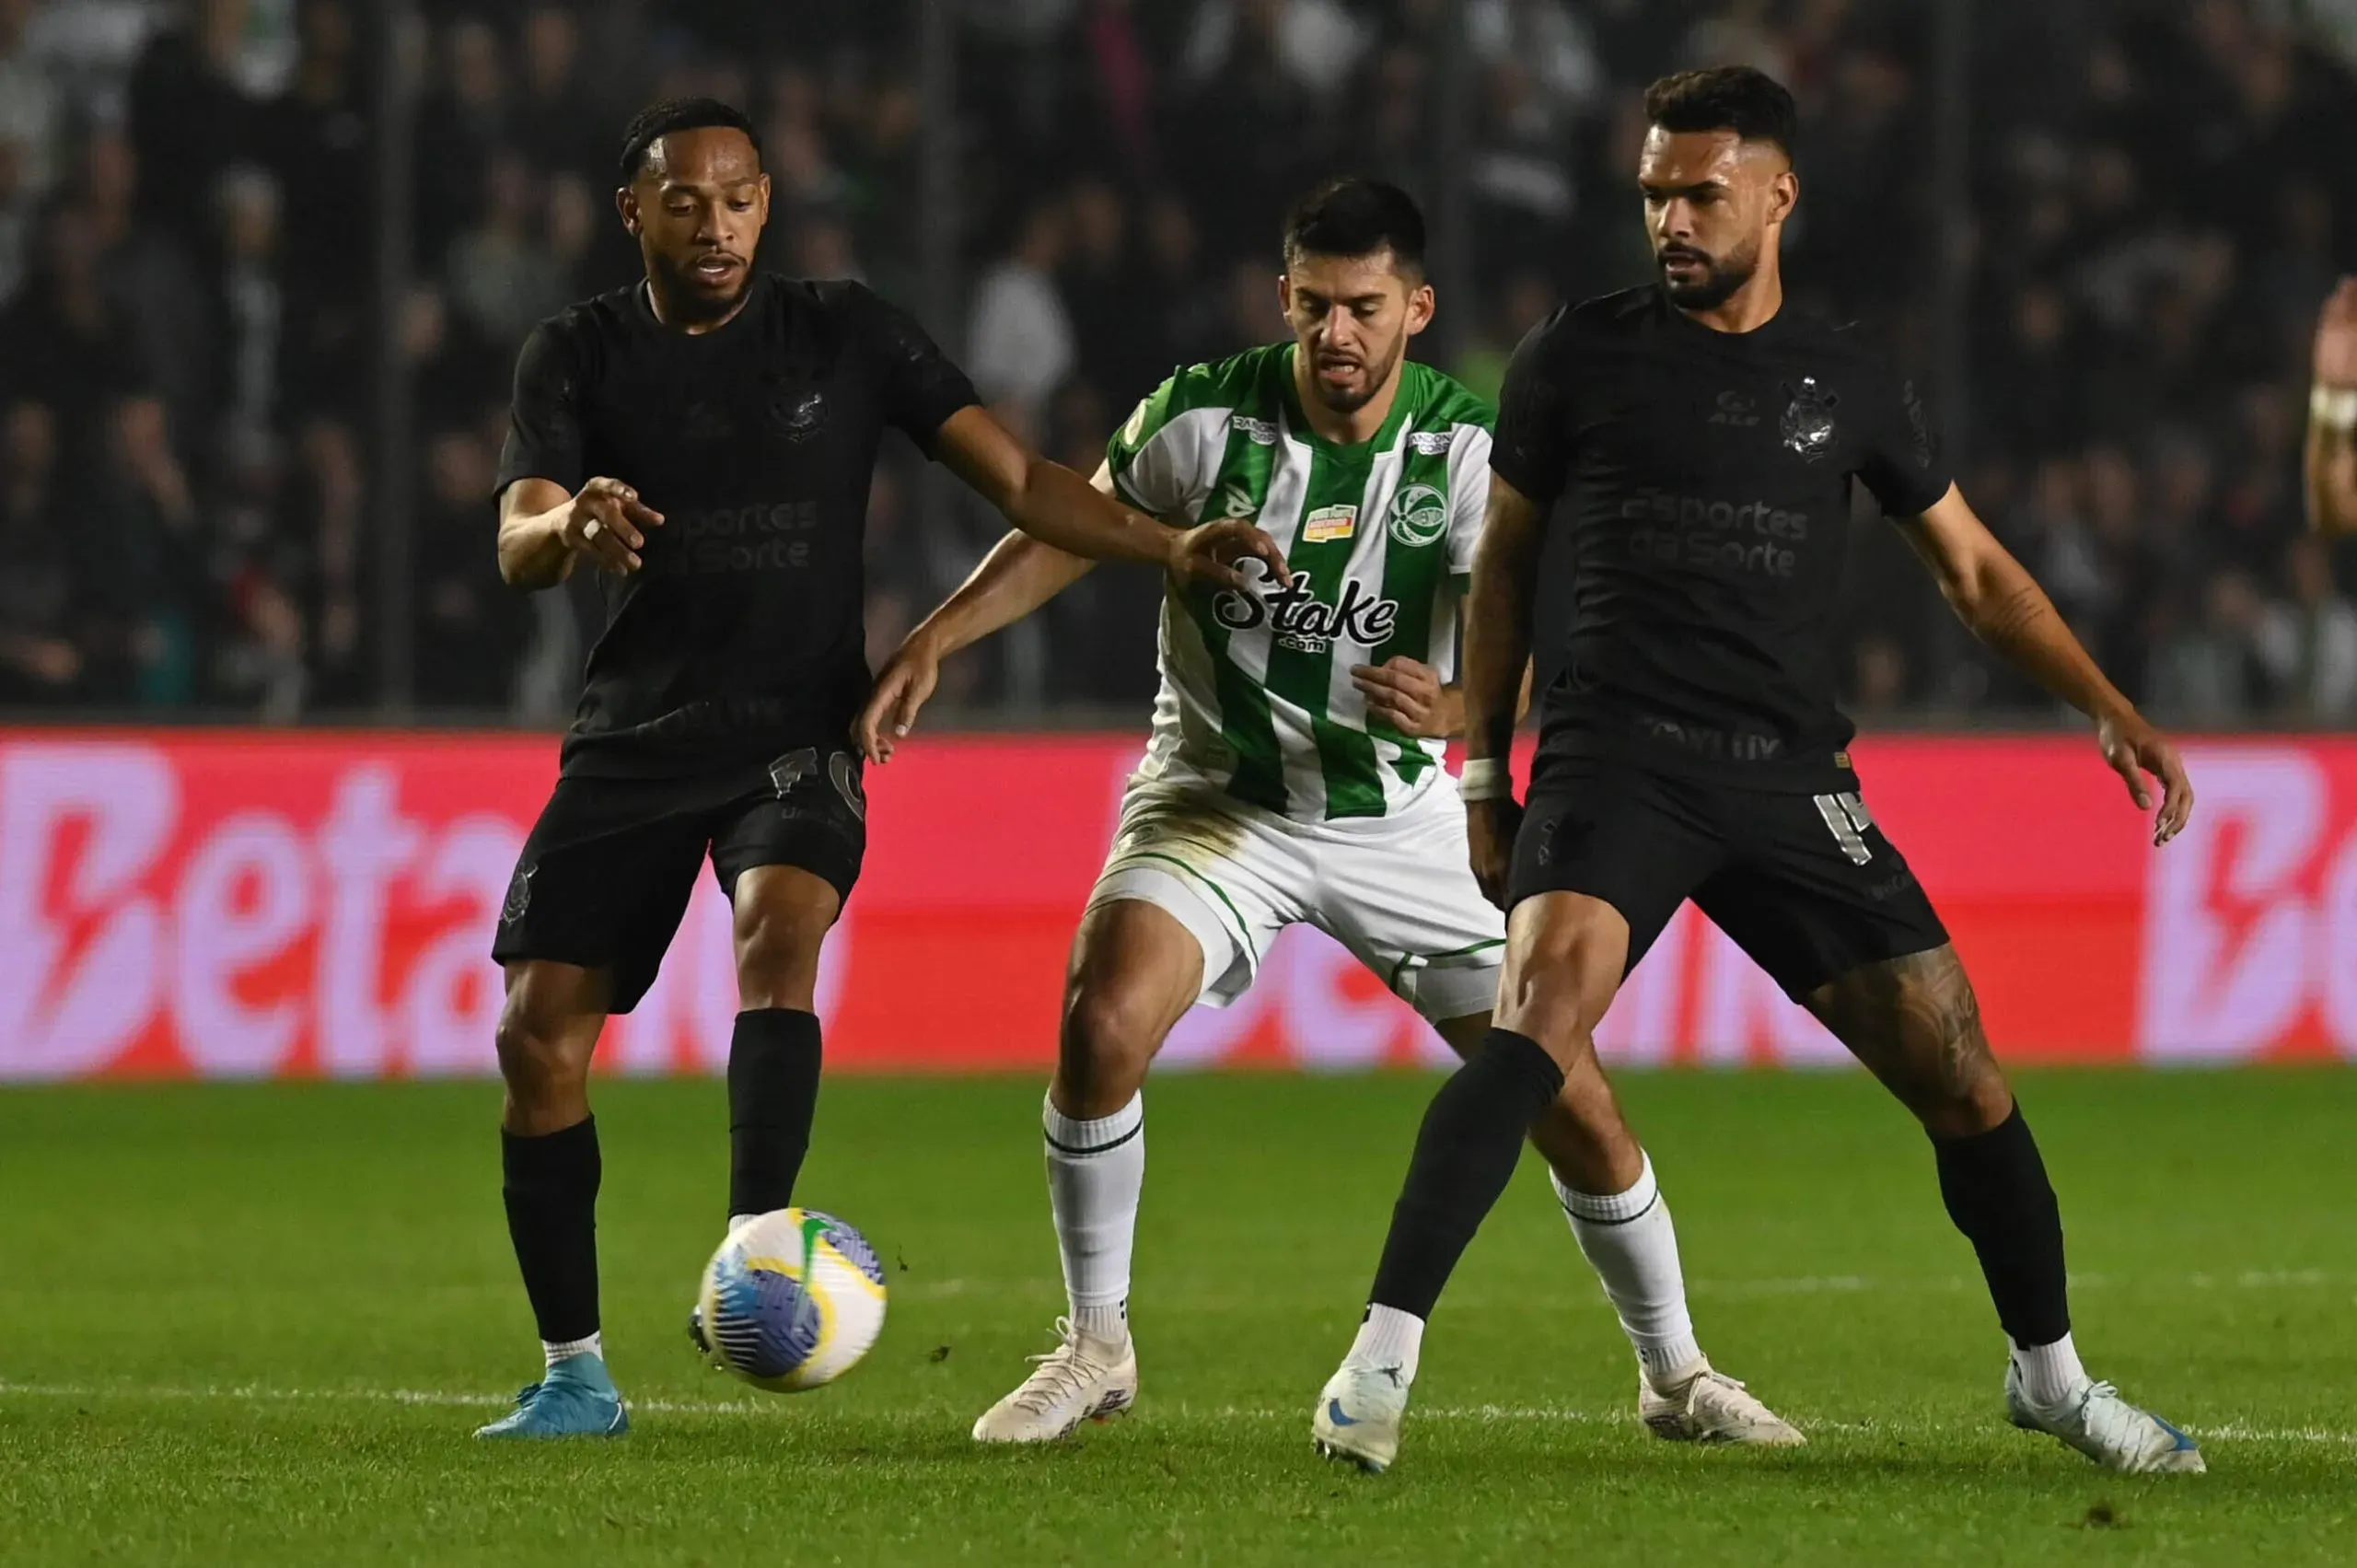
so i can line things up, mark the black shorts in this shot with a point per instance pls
(606, 875)
(1805, 884)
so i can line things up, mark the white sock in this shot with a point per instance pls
(560, 1350)
(1096, 1172)
(1632, 1247)
(736, 1220)
(1390, 1338)
(2049, 1373)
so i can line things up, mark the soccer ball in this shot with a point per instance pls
(792, 1300)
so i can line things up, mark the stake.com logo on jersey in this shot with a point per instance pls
(1299, 621)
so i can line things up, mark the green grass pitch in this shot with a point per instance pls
(256, 1324)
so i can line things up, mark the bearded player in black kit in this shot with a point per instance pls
(1705, 437)
(704, 439)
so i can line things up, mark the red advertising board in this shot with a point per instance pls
(250, 903)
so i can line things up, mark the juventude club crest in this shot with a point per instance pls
(1809, 418)
(1419, 516)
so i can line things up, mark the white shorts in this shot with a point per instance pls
(1398, 890)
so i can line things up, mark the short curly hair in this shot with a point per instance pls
(659, 120)
(1752, 104)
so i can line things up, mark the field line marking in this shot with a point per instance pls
(1811, 1284)
(2232, 1431)
(1731, 1289)
(256, 1394)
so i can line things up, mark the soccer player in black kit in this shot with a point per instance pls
(1704, 438)
(704, 439)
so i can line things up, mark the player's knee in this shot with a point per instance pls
(1108, 1038)
(540, 1055)
(777, 954)
(1563, 960)
(1942, 1065)
(1545, 999)
(1965, 1106)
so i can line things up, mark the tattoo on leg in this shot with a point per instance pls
(1914, 1020)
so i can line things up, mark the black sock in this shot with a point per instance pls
(551, 1192)
(1465, 1155)
(772, 1093)
(1995, 1188)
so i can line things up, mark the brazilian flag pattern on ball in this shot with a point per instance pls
(792, 1300)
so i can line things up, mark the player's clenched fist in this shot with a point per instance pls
(1407, 695)
(606, 523)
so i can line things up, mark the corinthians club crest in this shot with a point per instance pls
(519, 896)
(1809, 418)
(798, 416)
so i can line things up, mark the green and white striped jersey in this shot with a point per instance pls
(1256, 696)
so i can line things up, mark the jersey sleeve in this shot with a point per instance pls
(1533, 450)
(1155, 456)
(923, 386)
(1468, 496)
(544, 417)
(1901, 464)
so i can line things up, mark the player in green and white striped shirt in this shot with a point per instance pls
(1294, 777)
(1259, 698)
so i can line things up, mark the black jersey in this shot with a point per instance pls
(742, 634)
(1708, 478)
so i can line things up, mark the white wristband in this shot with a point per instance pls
(2334, 408)
(1486, 778)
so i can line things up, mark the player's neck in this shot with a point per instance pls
(1749, 307)
(671, 315)
(1361, 424)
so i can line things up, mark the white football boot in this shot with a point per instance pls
(1711, 1407)
(1358, 1415)
(1081, 1379)
(2095, 1420)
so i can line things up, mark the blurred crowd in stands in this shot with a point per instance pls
(2160, 194)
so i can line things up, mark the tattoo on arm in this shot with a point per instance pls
(2001, 622)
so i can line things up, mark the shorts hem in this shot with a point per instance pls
(1467, 980)
(1799, 991)
(1139, 877)
(625, 991)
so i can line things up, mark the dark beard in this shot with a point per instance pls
(1717, 288)
(1376, 376)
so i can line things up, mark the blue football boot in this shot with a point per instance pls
(576, 1398)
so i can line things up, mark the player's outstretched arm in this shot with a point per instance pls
(2330, 460)
(1054, 505)
(1995, 594)
(542, 530)
(1017, 576)
(1497, 666)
